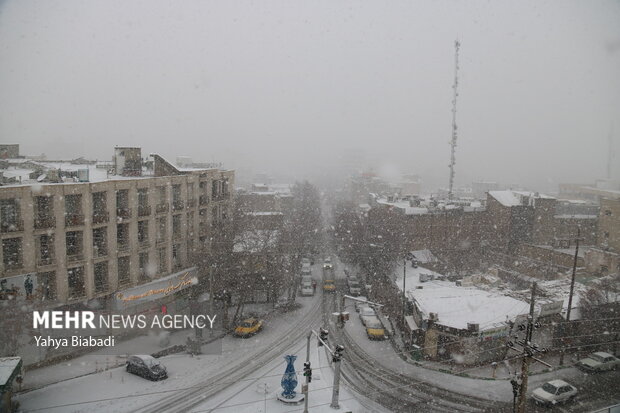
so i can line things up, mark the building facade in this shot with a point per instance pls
(77, 241)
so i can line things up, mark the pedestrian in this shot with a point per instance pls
(28, 287)
(313, 286)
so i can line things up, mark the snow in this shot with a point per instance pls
(424, 256)
(457, 306)
(510, 198)
(7, 368)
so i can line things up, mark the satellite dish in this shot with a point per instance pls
(42, 177)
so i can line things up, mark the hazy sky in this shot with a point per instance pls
(294, 86)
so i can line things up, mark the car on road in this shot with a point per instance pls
(329, 286)
(374, 328)
(306, 269)
(359, 304)
(554, 392)
(366, 312)
(306, 279)
(146, 366)
(305, 261)
(599, 361)
(248, 327)
(355, 289)
(307, 290)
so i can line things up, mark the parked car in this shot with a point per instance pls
(307, 289)
(248, 327)
(554, 392)
(366, 312)
(305, 261)
(146, 366)
(355, 289)
(359, 304)
(306, 279)
(599, 361)
(374, 328)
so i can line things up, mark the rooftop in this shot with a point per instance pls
(458, 306)
(511, 198)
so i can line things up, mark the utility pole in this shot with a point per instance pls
(527, 354)
(572, 290)
(404, 290)
(455, 94)
(307, 374)
(336, 358)
(211, 293)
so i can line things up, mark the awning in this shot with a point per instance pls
(156, 289)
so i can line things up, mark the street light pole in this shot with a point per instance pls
(404, 290)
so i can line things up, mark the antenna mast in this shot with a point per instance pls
(457, 45)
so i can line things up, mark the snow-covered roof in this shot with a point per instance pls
(424, 256)
(7, 369)
(458, 306)
(511, 198)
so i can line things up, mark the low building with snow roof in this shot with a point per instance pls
(464, 324)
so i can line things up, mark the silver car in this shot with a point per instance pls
(599, 361)
(554, 392)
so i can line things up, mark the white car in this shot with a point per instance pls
(359, 304)
(366, 312)
(554, 392)
(599, 361)
(355, 289)
(307, 290)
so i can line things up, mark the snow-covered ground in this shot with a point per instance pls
(115, 390)
(257, 393)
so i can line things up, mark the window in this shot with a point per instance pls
(143, 232)
(176, 256)
(100, 212)
(143, 262)
(101, 277)
(190, 191)
(75, 278)
(161, 193)
(122, 203)
(161, 267)
(190, 223)
(74, 244)
(12, 253)
(608, 212)
(161, 229)
(176, 226)
(177, 202)
(123, 271)
(46, 249)
(143, 202)
(47, 284)
(100, 242)
(10, 215)
(44, 212)
(73, 210)
(606, 234)
(122, 236)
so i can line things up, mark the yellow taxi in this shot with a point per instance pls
(374, 329)
(248, 327)
(329, 286)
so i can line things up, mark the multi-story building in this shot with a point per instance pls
(75, 232)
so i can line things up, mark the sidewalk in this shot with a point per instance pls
(104, 358)
(503, 370)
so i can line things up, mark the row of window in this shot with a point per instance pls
(44, 206)
(46, 285)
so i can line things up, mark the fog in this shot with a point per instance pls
(314, 89)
